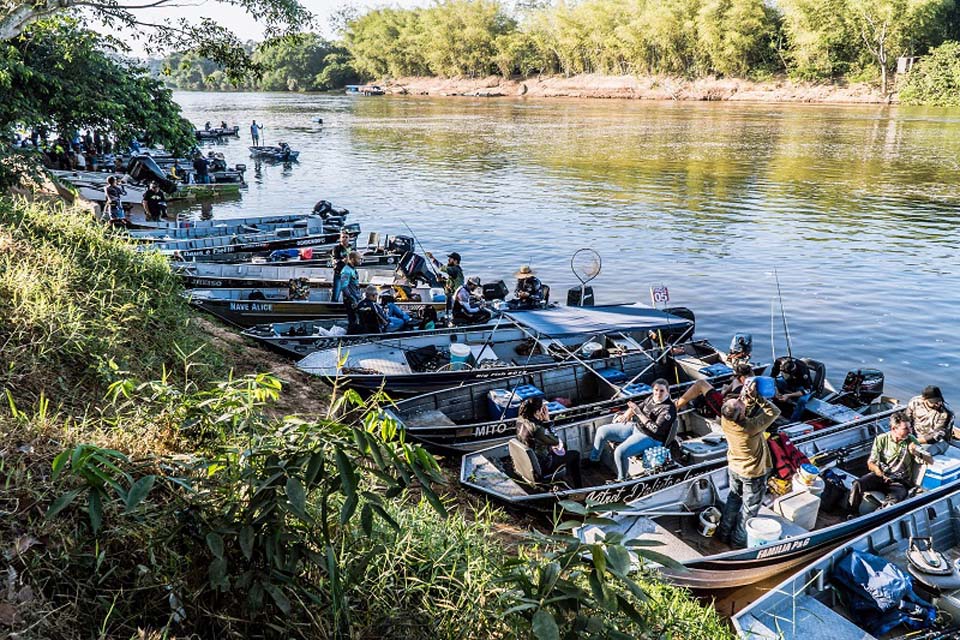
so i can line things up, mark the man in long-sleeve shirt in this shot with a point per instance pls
(465, 311)
(749, 462)
(931, 420)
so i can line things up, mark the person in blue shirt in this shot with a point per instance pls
(397, 318)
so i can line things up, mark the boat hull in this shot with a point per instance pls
(249, 313)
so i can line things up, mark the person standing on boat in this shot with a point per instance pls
(454, 279)
(350, 287)
(890, 463)
(529, 291)
(533, 430)
(749, 462)
(255, 130)
(339, 258)
(112, 204)
(154, 202)
(202, 167)
(465, 311)
(932, 421)
(640, 427)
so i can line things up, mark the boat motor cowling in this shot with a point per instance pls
(414, 268)
(495, 291)
(144, 169)
(401, 244)
(865, 384)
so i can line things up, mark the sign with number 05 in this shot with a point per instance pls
(660, 295)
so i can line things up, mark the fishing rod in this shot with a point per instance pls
(783, 315)
(773, 344)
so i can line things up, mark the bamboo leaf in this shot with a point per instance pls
(544, 626)
(386, 517)
(619, 559)
(215, 543)
(62, 503)
(59, 462)
(366, 519)
(548, 577)
(139, 491)
(95, 510)
(277, 595)
(246, 539)
(297, 497)
(573, 507)
(349, 508)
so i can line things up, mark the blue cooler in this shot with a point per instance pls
(614, 376)
(556, 407)
(505, 404)
(944, 470)
(635, 389)
(714, 370)
(766, 386)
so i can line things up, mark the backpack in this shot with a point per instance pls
(786, 457)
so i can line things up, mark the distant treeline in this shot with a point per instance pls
(817, 40)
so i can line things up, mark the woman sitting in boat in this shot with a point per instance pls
(428, 319)
(529, 291)
(467, 310)
(890, 463)
(533, 430)
(640, 427)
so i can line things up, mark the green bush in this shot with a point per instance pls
(935, 80)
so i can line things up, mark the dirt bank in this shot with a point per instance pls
(641, 88)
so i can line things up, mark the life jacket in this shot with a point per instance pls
(786, 457)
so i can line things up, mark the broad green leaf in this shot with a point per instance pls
(345, 467)
(215, 543)
(59, 462)
(246, 539)
(573, 507)
(217, 573)
(348, 508)
(548, 577)
(95, 506)
(386, 517)
(544, 626)
(279, 598)
(62, 503)
(139, 491)
(297, 496)
(366, 518)
(619, 559)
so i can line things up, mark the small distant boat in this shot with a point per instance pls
(217, 132)
(251, 307)
(281, 153)
(253, 221)
(216, 275)
(314, 224)
(364, 90)
(240, 248)
(538, 340)
(922, 540)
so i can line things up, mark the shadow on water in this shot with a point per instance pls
(855, 206)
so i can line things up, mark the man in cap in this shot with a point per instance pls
(932, 421)
(371, 317)
(466, 310)
(454, 279)
(154, 202)
(339, 258)
(529, 292)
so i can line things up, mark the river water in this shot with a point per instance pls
(855, 208)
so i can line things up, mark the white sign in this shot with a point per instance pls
(659, 295)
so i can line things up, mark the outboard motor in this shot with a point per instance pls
(742, 345)
(401, 244)
(675, 334)
(323, 209)
(865, 384)
(580, 297)
(495, 291)
(144, 169)
(414, 268)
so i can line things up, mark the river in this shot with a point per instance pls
(855, 208)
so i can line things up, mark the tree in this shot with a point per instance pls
(734, 34)
(820, 40)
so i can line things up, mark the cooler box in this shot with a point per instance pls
(699, 450)
(505, 403)
(718, 369)
(944, 470)
(799, 507)
(635, 389)
(797, 430)
(614, 376)
(556, 407)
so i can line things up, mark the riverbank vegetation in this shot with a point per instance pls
(816, 41)
(147, 490)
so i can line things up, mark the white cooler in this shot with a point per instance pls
(799, 507)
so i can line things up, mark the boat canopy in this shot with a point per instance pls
(556, 322)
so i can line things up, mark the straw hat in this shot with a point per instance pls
(524, 272)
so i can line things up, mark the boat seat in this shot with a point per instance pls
(873, 500)
(527, 466)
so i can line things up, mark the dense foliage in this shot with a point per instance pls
(816, 40)
(935, 80)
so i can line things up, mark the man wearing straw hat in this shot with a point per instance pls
(529, 292)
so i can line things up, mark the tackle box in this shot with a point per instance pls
(505, 403)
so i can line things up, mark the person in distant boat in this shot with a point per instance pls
(201, 167)
(154, 202)
(175, 172)
(529, 291)
(641, 427)
(533, 430)
(370, 316)
(298, 289)
(741, 349)
(339, 258)
(466, 309)
(223, 124)
(114, 207)
(397, 318)
(891, 464)
(206, 127)
(794, 385)
(454, 276)
(931, 420)
(350, 288)
(255, 130)
(714, 398)
(743, 421)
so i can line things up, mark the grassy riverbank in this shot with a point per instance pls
(151, 485)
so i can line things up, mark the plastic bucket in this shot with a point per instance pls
(437, 295)
(766, 386)
(460, 356)
(709, 520)
(815, 487)
(762, 531)
(809, 473)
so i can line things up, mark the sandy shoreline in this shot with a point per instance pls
(641, 88)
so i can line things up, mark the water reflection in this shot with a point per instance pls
(855, 206)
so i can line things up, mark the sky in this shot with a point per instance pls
(245, 26)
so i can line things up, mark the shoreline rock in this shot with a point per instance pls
(775, 90)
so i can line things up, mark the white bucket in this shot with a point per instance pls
(709, 521)
(459, 355)
(761, 531)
